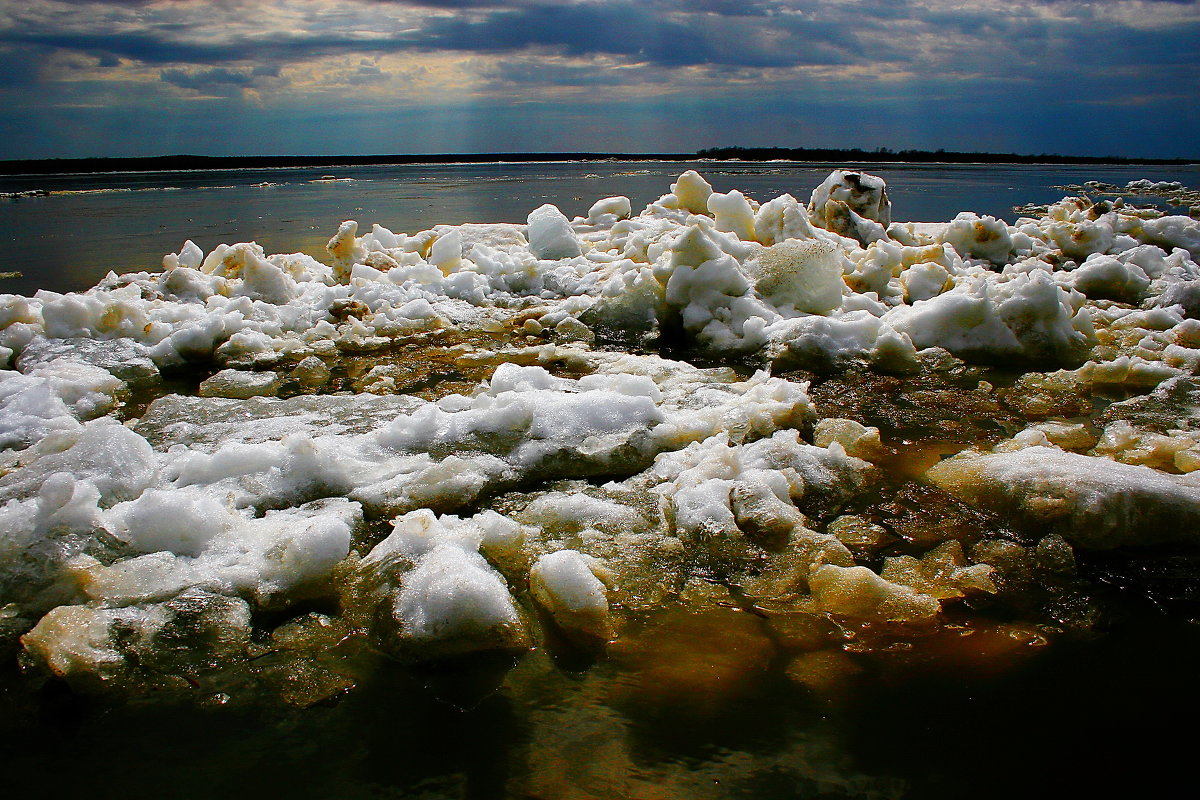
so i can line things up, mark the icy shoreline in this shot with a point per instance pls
(510, 472)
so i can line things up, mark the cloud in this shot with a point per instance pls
(867, 58)
(668, 33)
(219, 81)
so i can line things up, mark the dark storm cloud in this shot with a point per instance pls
(207, 77)
(641, 32)
(666, 33)
(149, 47)
(929, 63)
(732, 8)
(218, 77)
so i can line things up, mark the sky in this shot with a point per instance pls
(82, 78)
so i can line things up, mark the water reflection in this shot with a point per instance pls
(709, 704)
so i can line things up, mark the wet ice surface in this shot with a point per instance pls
(681, 502)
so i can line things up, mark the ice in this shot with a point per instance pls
(241, 384)
(204, 423)
(852, 204)
(438, 597)
(1108, 278)
(740, 498)
(732, 213)
(550, 234)
(858, 534)
(113, 314)
(1090, 501)
(565, 583)
(1175, 451)
(863, 194)
(311, 372)
(980, 237)
(609, 210)
(1146, 185)
(189, 256)
(136, 648)
(274, 559)
(453, 603)
(541, 425)
(805, 274)
(79, 641)
(692, 192)
(126, 359)
(1027, 317)
(824, 343)
(40, 535)
(859, 593)
(447, 251)
(178, 521)
(923, 281)
(860, 441)
(117, 461)
(942, 573)
(53, 397)
(1126, 371)
(560, 513)
(645, 270)
(594, 485)
(781, 219)
(1173, 232)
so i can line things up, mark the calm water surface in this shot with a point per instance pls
(126, 222)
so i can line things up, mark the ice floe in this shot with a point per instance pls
(439, 434)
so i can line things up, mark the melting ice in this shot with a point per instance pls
(569, 485)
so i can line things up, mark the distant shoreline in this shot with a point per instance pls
(58, 166)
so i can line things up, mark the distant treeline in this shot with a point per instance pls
(188, 162)
(917, 156)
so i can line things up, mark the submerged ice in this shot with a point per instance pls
(558, 487)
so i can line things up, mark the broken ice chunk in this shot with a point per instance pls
(240, 384)
(453, 603)
(311, 372)
(113, 458)
(859, 440)
(859, 593)
(428, 594)
(1092, 502)
(804, 273)
(692, 192)
(942, 572)
(566, 584)
(864, 194)
(609, 210)
(550, 234)
(137, 646)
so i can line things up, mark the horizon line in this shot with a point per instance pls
(178, 161)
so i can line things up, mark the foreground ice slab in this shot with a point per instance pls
(1092, 502)
(187, 453)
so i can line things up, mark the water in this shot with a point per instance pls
(126, 222)
(688, 708)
